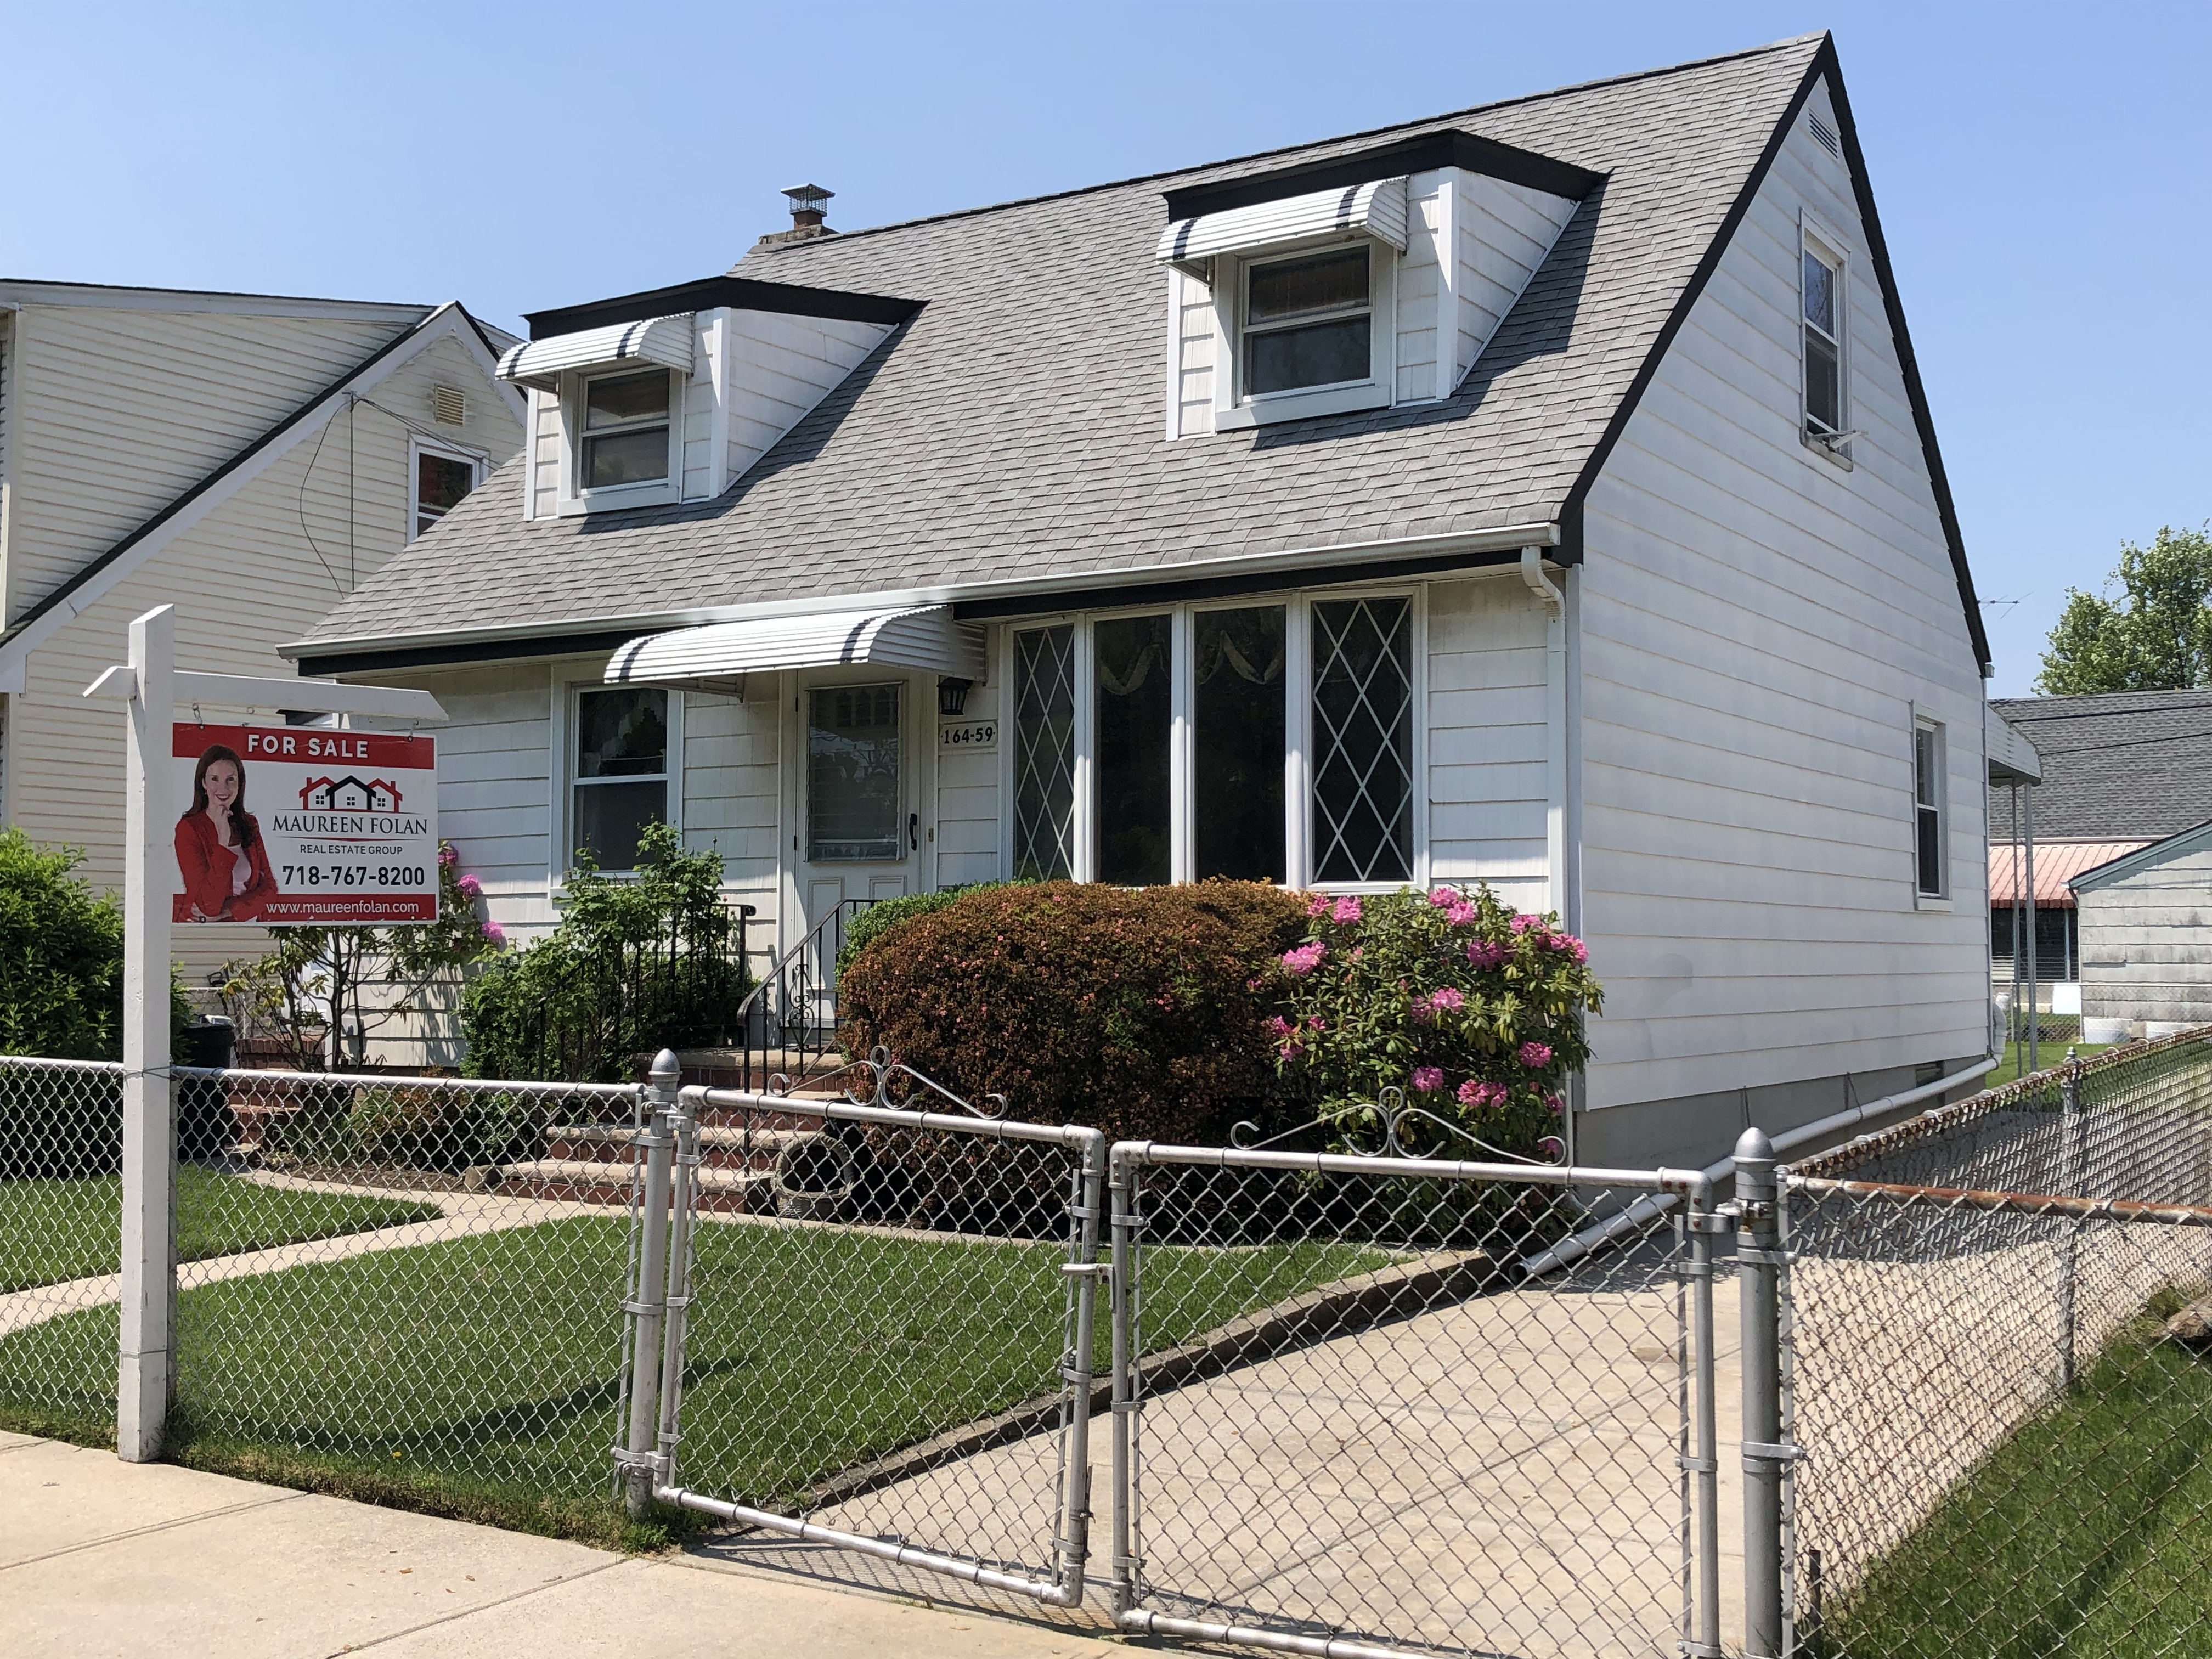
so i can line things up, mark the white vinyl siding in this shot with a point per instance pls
(548, 455)
(731, 754)
(1487, 784)
(1758, 627)
(967, 836)
(1505, 233)
(779, 367)
(2142, 942)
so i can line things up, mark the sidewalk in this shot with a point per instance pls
(100, 1557)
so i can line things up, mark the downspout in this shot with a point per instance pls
(1555, 604)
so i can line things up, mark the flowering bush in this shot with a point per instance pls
(1475, 1011)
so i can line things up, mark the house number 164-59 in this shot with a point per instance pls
(970, 735)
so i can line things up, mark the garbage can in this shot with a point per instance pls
(207, 1128)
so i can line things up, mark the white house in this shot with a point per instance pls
(250, 459)
(1542, 495)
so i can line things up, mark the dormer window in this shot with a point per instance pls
(1823, 295)
(1308, 322)
(625, 431)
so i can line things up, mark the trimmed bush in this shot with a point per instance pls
(1143, 1013)
(884, 914)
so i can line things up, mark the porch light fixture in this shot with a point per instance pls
(952, 696)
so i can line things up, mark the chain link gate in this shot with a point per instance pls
(863, 1325)
(1369, 1406)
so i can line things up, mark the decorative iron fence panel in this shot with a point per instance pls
(1356, 1423)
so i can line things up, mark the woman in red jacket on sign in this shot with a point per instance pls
(219, 848)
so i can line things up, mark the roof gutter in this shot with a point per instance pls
(1510, 539)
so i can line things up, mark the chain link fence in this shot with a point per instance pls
(61, 1245)
(1999, 1370)
(1358, 1420)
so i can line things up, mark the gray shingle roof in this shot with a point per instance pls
(1013, 426)
(2129, 763)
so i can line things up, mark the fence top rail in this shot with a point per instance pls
(854, 1111)
(1969, 1198)
(40, 1062)
(623, 1092)
(2007, 1096)
(1128, 1152)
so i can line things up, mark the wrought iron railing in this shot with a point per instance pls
(787, 1024)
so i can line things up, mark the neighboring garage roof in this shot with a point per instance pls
(1010, 432)
(2192, 839)
(2124, 765)
(2056, 864)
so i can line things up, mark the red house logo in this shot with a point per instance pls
(350, 795)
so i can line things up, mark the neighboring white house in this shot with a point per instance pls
(2145, 936)
(250, 459)
(1542, 495)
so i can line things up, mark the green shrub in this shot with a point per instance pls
(1143, 1013)
(884, 914)
(639, 963)
(398, 1126)
(1473, 1010)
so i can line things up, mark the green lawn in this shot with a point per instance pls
(2088, 1534)
(53, 1231)
(2048, 1057)
(476, 1377)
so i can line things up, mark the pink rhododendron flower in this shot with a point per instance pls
(1292, 1051)
(495, 933)
(1523, 922)
(1345, 908)
(1303, 959)
(1280, 1027)
(1461, 913)
(1536, 1055)
(1317, 905)
(1443, 897)
(1483, 954)
(1428, 1079)
(1448, 999)
(448, 855)
(1424, 1014)
(1316, 1021)
(1555, 1104)
(470, 885)
(1472, 1093)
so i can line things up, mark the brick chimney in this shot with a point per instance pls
(810, 204)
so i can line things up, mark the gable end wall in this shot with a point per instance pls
(1759, 627)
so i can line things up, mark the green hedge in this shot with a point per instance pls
(1143, 1013)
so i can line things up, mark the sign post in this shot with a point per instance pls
(153, 684)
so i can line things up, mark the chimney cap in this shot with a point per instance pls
(808, 198)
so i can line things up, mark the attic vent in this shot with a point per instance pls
(449, 405)
(1825, 136)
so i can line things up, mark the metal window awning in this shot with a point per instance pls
(663, 340)
(719, 655)
(1377, 209)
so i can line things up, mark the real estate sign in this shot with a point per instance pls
(301, 826)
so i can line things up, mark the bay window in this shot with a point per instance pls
(1262, 742)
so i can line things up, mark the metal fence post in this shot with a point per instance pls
(684, 1127)
(2070, 1183)
(1701, 1224)
(1759, 1257)
(149, 1288)
(1121, 1301)
(650, 1305)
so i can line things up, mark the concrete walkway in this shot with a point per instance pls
(100, 1557)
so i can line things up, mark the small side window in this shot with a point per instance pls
(1928, 812)
(621, 769)
(1824, 341)
(440, 482)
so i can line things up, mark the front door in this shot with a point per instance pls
(860, 829)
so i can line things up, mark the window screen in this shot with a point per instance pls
(1237, 762)
(1824, 367)
(853, 775)
(1307, 322)
(625, 439)
(1927, 809)
(1363, 740)
(1044, 753)
(1133, 712)
(621, 782)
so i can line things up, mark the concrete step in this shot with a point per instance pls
(720, 1148)
(731, 1192)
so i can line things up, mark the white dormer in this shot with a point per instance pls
(1290, 302)
(649, 409)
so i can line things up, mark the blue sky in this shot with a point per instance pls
(2042, 172)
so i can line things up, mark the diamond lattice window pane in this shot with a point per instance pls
(1362, 730)
(1044, 753)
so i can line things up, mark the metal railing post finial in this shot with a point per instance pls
(1758, 1258)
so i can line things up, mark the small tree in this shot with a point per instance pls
(356, 981)
(2157, 636)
